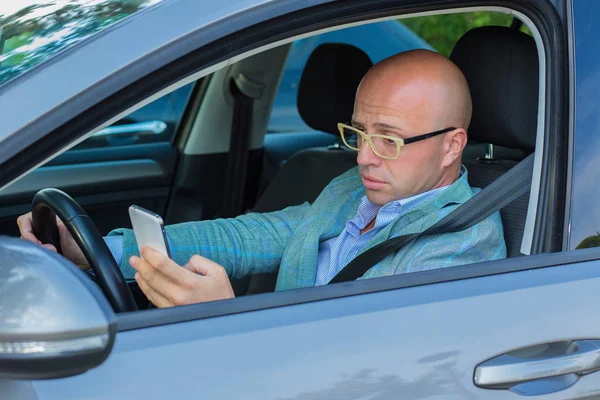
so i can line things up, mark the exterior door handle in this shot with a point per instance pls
(538, 362)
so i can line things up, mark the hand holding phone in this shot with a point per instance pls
(149, 230)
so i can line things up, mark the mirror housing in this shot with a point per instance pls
(54, 321)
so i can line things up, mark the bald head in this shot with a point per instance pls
(407, 95)
(429, 78)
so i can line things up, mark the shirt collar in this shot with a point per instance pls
(367, 210)
(365, 213)
(410, 202)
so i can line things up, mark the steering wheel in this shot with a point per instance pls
(49, 203)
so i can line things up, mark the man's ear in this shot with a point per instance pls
(456, 141)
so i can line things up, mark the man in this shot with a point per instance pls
(419, 97)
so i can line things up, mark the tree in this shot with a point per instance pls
(590, 241)
(443, 31)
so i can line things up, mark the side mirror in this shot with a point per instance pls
(54, 321)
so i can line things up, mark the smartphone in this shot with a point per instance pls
(149, 230)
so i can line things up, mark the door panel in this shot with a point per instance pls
(421, 342)
(105, 181)
(131, 162)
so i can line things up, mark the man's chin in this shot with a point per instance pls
(376, 197)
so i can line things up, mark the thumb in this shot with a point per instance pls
(50, 247)
(201, 265)
(63, 232)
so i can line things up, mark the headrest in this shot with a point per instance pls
(328, 85)
(501, 67)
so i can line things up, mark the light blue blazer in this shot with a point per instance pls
(288, 240)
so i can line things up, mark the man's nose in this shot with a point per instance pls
(366, 156)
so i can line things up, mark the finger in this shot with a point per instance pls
(165, 265)
(203, 266)
(60, 225)
(156, 280)
(63, 233)
(30, 237)
(155, 298)
(50, 247)
(26, 228)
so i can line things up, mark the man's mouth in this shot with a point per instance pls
(371, 183)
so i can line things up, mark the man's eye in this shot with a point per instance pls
(389, 141)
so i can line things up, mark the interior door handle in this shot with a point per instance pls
(138, 128)
(538, 362)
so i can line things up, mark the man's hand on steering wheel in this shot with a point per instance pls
(69, 247)
(57, 218)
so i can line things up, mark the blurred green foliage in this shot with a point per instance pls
(13, 43)
(443, 31)
(590, 241)
(32, 35)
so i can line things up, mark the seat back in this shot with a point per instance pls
(325, 96)
(501, 67)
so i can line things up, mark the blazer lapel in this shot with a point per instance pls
(331, 225)
(326, 219)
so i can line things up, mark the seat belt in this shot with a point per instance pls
(244, 92)
(508, 187)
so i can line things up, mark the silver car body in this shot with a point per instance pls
(417, 336)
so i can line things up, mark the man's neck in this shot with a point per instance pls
(451, 176)
(369, 226)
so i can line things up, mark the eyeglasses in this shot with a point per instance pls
(386, 147)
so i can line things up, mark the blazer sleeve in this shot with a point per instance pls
(249, 244)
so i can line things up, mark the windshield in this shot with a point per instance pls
(33, 31)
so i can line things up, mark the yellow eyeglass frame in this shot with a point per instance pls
(399, 141)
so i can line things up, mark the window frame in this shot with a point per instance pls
(571, 124)
(162, 316)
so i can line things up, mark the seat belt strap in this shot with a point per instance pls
(239, 146)
(508, 187)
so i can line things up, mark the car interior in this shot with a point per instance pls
(214, 168)
(501, 117)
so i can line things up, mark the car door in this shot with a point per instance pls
(421, 335)
(411, 337)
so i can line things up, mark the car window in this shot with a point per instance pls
(378, 40)
(32, 32)
(585, 208)
(155, 122)
(158, 120)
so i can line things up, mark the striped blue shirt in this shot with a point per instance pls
(337, 252)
